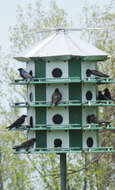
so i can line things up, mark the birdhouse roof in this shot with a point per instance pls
(63, 44)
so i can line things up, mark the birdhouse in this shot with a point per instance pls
(64, 62)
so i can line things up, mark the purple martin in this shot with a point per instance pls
(26, 144)
(56, 97)
(17, 123)
(24, 74)
(107, 94)
(101, 96)
(96, 73)
(92, 119)
(57, 143)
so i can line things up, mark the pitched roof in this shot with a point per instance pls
(63, 43)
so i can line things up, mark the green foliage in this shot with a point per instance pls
(21, 172)
(103, 17)
(84, 170)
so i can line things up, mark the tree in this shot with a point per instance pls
(84, 171)
(16, 170)
(104, 18)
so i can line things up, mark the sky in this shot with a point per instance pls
(8, 13)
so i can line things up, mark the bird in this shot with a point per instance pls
(96, 73)
(57, 143)
(92, 119)
(56, 97)
(26, 144)
(101, 96)
(17, 123)
(24, 74)
(107, 94)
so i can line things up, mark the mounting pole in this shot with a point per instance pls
(63, 171)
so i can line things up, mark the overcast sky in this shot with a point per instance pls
(8, 13)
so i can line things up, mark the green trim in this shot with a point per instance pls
(40, 115)
(63, 80)
(41, 139)
(75, 92)
(75, 138)
(70, 103)
(95, 58)
(40, 92)
(74, 68)
(68, 150)
(40, 69)
(39, 127)
(75, 115)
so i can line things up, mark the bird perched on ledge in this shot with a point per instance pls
(107, 94)
(24, 74)
(26, 145)
(96, 73)
(56, 97)
(92, 119)
(17, 123)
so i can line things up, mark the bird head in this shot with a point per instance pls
(106, 90)
(20, 69)
(56, 90)
(99, 92)
(34, 139)
(24, 115)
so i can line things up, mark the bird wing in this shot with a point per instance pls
(24, 144)
(98, 73)
(18, 122)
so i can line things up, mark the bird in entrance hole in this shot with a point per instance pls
(24, 74)
(26, 145)
(17, 123)
(56, 97)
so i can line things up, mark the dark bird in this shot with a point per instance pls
(26, 144)
(101, 96)
(96, 73)
(107, 94)
(24, 74)
(17, 123)
(56, 97)
(92, 119)
(57, 143)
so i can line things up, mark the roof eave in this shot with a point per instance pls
(64, 57)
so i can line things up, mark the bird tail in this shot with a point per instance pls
(9, 127)
(104, 122)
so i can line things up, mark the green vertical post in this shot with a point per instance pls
(63, 171)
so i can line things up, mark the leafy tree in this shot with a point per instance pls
(84, 170)
(104, 18)
(19, 171)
